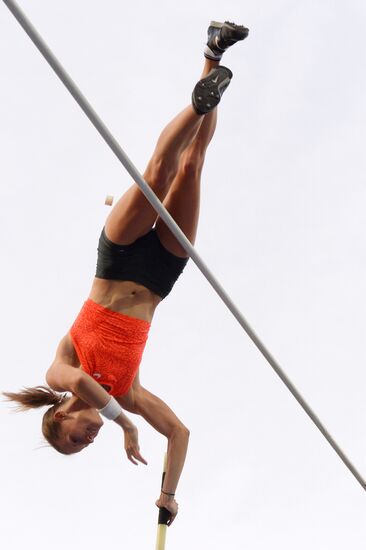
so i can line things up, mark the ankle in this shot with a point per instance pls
(208, 66)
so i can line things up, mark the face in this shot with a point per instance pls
(78, 429)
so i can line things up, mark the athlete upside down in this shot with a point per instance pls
(139, 261)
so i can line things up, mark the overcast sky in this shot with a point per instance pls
(282, 227)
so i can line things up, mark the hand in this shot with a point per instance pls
(132, 445)
(170, 504)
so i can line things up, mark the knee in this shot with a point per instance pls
(192, 162)
(159, 174)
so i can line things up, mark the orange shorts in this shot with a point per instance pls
(109, 345)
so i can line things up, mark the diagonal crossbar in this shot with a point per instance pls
(164, 214)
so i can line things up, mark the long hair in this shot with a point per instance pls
(41, 396)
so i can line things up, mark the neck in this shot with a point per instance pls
(75, 404)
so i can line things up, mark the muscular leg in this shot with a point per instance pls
(183, 199)
(133, 216)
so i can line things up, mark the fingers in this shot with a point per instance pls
(132, 447)
(140, 458)
(173, 515)
(130, 458)
(172, 509)
(171, 519)
(134, 455)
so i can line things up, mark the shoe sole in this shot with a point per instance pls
(218, 25)
(208, 91)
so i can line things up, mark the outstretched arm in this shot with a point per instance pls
(162, 418)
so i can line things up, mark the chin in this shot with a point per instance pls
(96, 422)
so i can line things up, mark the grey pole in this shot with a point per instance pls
(164, 214)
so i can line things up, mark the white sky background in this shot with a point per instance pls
(282, 226)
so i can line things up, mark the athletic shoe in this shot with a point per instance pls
(221, 36)
(208, 91)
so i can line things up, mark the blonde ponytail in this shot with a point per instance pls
(42, 396)
(32, 398)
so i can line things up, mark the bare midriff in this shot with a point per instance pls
(125, 297)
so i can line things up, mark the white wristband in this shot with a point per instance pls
(112, 409)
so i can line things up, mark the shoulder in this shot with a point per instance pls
(66, 352)
(64, 372)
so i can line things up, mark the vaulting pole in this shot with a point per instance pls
(164, 214)
(164, 516)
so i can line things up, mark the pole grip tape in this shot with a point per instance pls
(164, 514)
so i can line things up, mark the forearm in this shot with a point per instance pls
(92, 393)
(162, 418)
(177, 451)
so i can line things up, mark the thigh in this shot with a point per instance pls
(183, 204)
(131, 217)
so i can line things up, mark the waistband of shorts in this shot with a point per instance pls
(118, 317)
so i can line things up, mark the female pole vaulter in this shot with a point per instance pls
(139, 260)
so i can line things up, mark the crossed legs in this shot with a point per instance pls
(174, 174)
(183, 198)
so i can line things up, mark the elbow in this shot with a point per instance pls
(186, 432)
(180, 431)
(76, 382)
